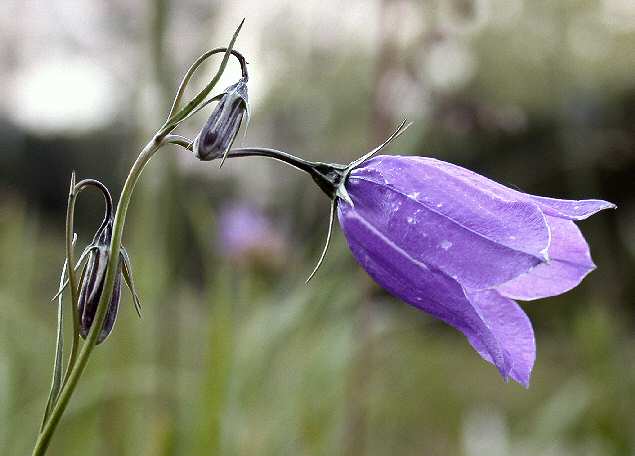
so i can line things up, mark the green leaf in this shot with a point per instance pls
(56, 382)
(127, 275)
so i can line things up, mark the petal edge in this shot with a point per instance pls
(570, 263)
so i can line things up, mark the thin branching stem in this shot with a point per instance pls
(75, 373)
(78, 364)
(72, 278)
(179, 140)
(190, 72)
(176, 115)
(285, 157)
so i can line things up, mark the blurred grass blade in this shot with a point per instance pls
(58, 363)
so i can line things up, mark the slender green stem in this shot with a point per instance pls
(72, 278)
(179, 140)
(328, 176)
(195, 65)
(78, 364)
(285, 157)
(58, 361)
(75, 373)
(175, 117)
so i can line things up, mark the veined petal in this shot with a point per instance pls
(113, 308)
(472, 236)
(567, 209)
(511, 328)
(474, 314)
(571, 209)
(570, 261)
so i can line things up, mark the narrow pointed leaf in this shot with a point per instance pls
(83, 256)
(58, 363)
(328, 240)
(129, 279)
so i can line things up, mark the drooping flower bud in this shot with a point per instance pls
(219, 132)
(92, 285)
(93, 278)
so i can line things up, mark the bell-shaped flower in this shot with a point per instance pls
(461, 247)
(455, 244)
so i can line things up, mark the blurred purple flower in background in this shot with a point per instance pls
(246, 235)
(461, 247)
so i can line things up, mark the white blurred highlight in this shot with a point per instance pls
(485, 433)
(61, 94)
(450, 65)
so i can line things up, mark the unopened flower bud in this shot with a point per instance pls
(92, 285)
(219, 132)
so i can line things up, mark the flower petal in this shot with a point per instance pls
(475, 315)
(511, 328)
(567, 209)
(570, 263)
(571, 209)
(472, 236)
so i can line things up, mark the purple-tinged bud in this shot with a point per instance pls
(97, 256)
(219, 132)
(92, 285)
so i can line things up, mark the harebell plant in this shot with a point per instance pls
(448, 241)
(95, 295)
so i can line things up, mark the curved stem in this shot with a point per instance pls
(196, 64)
(81, 185)
(297, 162)
(179, 140)
(328, 176)
(72, 278)
(175, 116)
(75, 373)
(328, 240)
(201, 107)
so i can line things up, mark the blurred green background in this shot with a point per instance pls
(234, 354)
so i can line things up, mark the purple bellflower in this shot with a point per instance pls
(456, 245)
(462, 247)
(246, 234)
